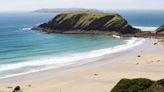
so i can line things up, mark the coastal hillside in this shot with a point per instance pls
(87, 22)
(139, 85)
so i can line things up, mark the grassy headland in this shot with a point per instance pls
(87, 22)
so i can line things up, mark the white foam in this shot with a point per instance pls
(143, 28)
(116, 36)
(53, 62)
(26, 29)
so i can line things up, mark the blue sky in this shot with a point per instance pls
(26, 5)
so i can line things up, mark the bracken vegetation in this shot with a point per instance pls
(139, 85)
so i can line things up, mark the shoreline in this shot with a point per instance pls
(92, 60)
(130, 43)
(103, 75)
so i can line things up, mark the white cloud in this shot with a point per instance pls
(6, 5)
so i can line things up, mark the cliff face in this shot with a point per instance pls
(87, 22)
(160, 30)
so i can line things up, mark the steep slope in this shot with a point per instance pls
(87, 22)
(160, 30)
(139, 85)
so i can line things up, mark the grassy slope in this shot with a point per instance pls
(87, 22)
(88, 17)
(139, 85)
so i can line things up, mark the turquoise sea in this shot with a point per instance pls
(23, 50)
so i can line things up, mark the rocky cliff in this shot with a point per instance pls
(160, 30)
(87, 22)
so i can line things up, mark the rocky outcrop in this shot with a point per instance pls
(139, 85)
(17, 89)
(87, 22)
(160, 30)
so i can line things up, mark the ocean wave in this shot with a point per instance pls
(26, 29)
(144, 28)
(54, 62)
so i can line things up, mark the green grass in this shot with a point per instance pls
(88, 17)
(89, 21)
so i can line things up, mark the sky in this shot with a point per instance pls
(28, 5)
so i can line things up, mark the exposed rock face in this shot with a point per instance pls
(160, 30)
(87, 22)
(139, 85)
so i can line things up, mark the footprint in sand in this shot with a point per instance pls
(141, 51)
(95, 74)
(158, 60)
(9, 87)
(29, 85)
(139, 56)
(150, 62)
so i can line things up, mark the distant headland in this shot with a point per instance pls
(87, 22)
(94, 22)
(63, 10)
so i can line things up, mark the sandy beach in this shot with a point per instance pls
(99, 75)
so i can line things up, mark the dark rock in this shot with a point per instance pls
(160, 30)
(138, 56)
(155, 43)
(17, 89)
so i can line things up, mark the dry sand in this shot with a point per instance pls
(144, 61)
